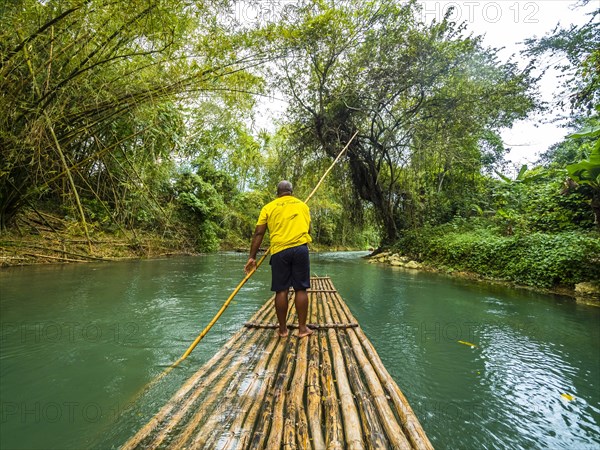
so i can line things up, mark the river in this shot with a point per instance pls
(78, 342)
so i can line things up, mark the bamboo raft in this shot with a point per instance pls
(260, 391)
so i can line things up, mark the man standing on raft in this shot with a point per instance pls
(288, 221)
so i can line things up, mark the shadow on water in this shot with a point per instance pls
(79, 341)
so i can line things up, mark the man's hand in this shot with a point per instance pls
(250, 265)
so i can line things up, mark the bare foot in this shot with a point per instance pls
(282, 333)
(304, 332)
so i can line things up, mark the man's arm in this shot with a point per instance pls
(257, 238)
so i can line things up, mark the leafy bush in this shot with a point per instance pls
(539, 200)
(536, 259)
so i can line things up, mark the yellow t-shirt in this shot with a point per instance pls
(288, 221)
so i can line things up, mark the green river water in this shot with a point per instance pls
(78, 342)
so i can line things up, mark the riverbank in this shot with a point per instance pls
(46, 248)
(585, 292)
(56, 248)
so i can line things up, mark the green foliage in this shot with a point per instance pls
(563, 153)
(239, 220)
(201, 204)
(426, 99)
(136, 115)
(588, 171)
(92, 92)
(207, 239)
(538, 200)
(536, 259)
(579, 61)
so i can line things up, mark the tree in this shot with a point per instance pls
(424, 99)
(580, 45)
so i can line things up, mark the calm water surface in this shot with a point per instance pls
(78, 342)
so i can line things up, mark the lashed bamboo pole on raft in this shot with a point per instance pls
(218, 362)
(371, 428)
(313, 392)
(261, 396)
(376, 374)
(333, 424)
(352, 422)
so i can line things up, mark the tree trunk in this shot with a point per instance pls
(595, 204)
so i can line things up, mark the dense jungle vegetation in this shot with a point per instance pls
(137, 124)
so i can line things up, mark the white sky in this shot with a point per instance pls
(504, 24)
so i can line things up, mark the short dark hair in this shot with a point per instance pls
(284, 187)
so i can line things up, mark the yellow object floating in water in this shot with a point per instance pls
(467, 343)
(568, 397)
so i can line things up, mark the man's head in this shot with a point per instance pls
(284, 188)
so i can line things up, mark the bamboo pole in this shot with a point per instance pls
(352, 423)
(334, 424)
(20, 245)
(372, 429)
(61, 258)
(227, 351)
(334, 432)
(313, 393)
(295, 422)
(279, 394)
(230, 365)
(411, 425)
(330, 168)
(245, 421)
(71, 181)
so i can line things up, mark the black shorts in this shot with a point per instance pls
(290, 267)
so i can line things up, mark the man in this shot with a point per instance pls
(288, 221)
